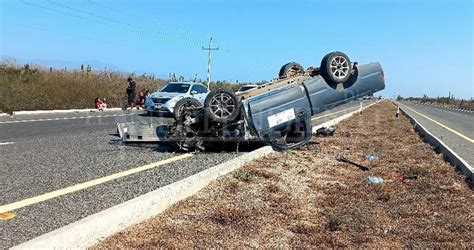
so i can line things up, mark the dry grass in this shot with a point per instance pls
(446, 102)
(308, 199)
(37, 88)
(33, 88)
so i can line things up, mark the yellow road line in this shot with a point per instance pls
(319, 117)
(84, 185)
(7, 216)
(440, 124)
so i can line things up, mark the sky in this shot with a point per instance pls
(424, 46)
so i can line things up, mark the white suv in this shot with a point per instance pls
(166, 98)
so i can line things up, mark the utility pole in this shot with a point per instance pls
(210, 48)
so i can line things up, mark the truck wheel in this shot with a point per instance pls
(336, 68)
(290, 69)
(184, 104)
(222, 106)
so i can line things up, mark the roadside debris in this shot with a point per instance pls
(294, 152)
(398, 111)
(342, 184)
(404, 178)
(376, 180)
(343, 159)
(372, 158)
(7, 216)
(325, 131)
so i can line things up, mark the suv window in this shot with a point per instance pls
(175, 88)
(199, 88)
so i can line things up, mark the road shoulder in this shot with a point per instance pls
(305, 198)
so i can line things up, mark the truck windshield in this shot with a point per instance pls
(175, 88)
(245, 88)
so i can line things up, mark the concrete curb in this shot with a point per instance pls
(340, 118)
(90, 230)
(448, 153)
(65, 111)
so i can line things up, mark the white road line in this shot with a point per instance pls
(87, 184)
(62, 118)
(442, 125)
(6, 143)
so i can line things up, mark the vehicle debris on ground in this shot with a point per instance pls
(325, 131)
(345, 160)
(372, 158)
(373, 179)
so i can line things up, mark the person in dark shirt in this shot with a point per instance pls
(131, 92)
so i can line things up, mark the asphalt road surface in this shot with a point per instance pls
(40, 154)
(454, 127)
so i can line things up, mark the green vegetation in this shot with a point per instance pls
(27, 87)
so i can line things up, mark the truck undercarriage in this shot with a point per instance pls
(277, 113)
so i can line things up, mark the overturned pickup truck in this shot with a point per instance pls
(278, 113)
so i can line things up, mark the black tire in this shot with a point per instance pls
(183, 104)
(222, 106)
(336, 68)
(290, 66)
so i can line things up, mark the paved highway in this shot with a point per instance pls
(455, 128)
(57, 169)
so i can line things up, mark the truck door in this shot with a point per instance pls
(281, 117)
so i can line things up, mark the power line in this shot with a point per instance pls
(64, 13)
(189, 40)
(106, 7)
(130, 27)
(68, 34)
(88, 13)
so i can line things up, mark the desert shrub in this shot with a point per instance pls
(30, 87)
(33, 88)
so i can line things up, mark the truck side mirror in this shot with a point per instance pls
(193, 92)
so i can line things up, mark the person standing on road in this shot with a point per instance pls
(131, 92)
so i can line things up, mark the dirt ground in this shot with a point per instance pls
(307, 198)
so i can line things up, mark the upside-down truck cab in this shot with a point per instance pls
(280, 111)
